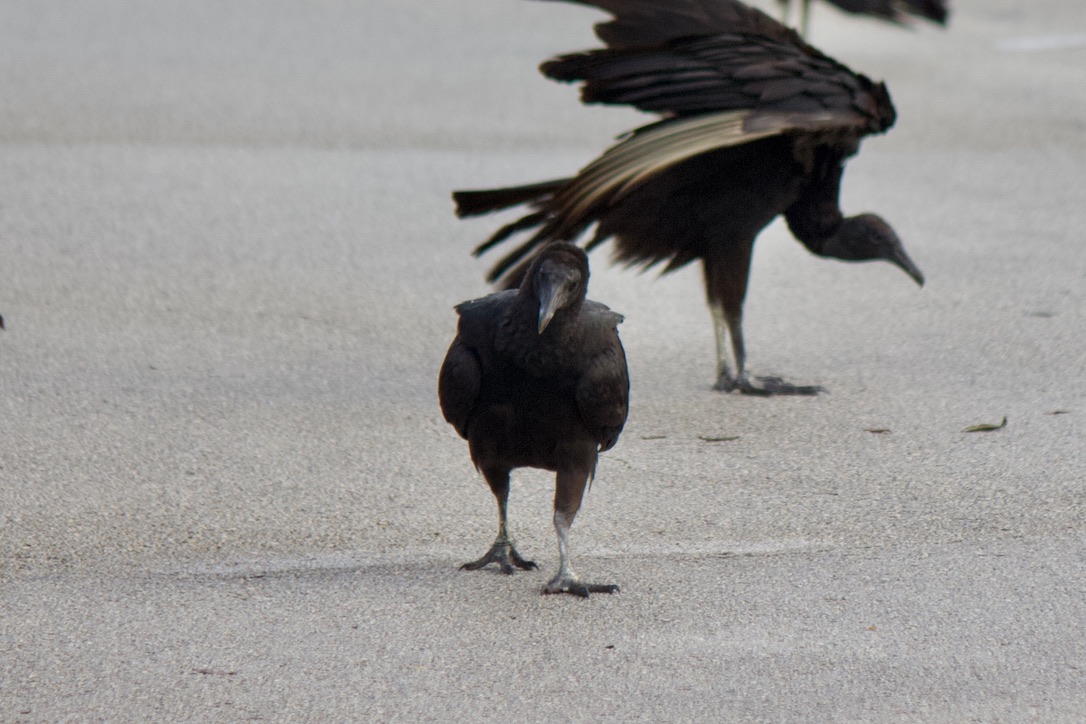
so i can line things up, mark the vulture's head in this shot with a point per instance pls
(868, 237)
(558, 279)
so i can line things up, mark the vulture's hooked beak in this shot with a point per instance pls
(555, 291)
(551, 298)
(902, 260)
(556, 286)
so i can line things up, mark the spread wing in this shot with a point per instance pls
(603, 391)
(458, 385)
(707, 56)
(723, 74)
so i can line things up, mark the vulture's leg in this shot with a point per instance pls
(567, 501)
(725, 380)
(805, 18)
(784, 10)
(502, 552)
(730, 324)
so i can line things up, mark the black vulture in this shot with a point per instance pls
(536, 377)
(756, 123)
(894, 11)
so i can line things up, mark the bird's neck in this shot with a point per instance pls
(820, 232)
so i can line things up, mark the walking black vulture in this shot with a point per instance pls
(756, 124)
(536, 377)
(894, 11)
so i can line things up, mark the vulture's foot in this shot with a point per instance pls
(505, 555)
(777, 386)
(765, 387)
(569, 583)
(725, 382)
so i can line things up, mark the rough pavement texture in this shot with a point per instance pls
(228, 262)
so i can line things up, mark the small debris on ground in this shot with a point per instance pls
(986, 426)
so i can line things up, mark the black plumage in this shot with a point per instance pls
(536, 377)
(756, 124)
(894, 11)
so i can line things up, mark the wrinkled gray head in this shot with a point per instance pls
(867, 237)
(558, 279)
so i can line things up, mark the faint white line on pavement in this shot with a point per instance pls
(1039, 43)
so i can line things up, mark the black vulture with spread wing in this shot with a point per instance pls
(894, 11)
(756, 124)
(536, 377)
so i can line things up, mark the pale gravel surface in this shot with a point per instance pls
(227, 266)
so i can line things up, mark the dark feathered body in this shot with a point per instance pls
(543, 400)
(730, 193)
(550, 399)
(757, 124)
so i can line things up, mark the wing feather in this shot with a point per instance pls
(458, 385)
(687, 57)
(603, 392)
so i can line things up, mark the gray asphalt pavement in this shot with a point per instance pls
(228, 262)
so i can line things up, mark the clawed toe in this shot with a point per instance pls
(766, 387)
(577, 587)
(505, 555)
(777, 386)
